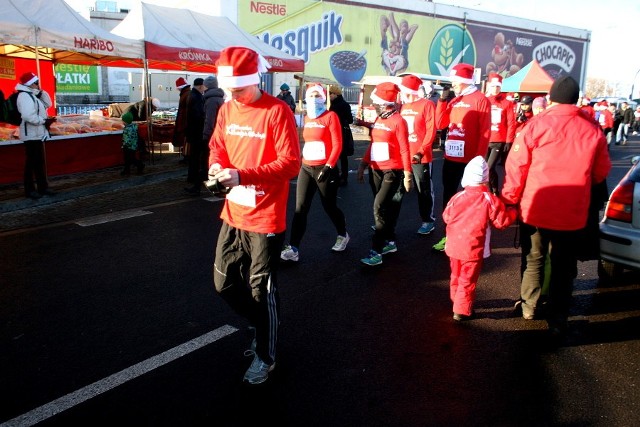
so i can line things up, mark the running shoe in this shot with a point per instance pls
(426, 228)
(389, 248)
(258, 372)
(374, 258)
(289, 253)
(341, 243)
(440, 245)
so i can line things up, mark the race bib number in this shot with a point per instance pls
(411, 120)
(243, 195)
(314, 150)
(379, 151)
(496, 115)
(454, 148)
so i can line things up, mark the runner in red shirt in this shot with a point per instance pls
(389, 168)
(503, 127)
(468, 119)
(254, 153)
(322, 147)
(419, 113)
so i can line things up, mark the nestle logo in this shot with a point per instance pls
(268, 8)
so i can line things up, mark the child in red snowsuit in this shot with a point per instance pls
(469, 216)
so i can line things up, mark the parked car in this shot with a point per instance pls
(620, 227)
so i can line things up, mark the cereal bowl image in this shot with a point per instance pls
(347, 66)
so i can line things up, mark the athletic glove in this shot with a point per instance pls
(49, 121)
(324, 173)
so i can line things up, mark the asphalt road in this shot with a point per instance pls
(109, 316)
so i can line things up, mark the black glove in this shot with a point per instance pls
(49, 121)
(507, 147)
(416, 158)
(324, 173)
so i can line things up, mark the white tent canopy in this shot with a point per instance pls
(52, 30)
(181, 39)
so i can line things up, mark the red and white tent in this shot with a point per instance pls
(52, 30)
(181, 39)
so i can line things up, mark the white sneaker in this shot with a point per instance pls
(341, 243)
(289, 254)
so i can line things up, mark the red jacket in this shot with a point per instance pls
(468, 216)
(606, 119)
(468, 118)
(261, 141)
(552, 165)
(588, 109)
(326, 131)
(389, 145)
(503, 119)
(421, 121)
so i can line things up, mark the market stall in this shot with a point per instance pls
(47, 32)
(181, 39)
(531, 79)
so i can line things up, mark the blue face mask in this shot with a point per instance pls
(315, 107)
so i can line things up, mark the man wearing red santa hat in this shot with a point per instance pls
(468, 120)
(254, 153)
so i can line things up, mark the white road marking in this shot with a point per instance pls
(111, 217)
(92, 390)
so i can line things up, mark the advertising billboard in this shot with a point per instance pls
(347, 42)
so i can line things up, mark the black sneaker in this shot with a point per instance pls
(33, 195)
(462, 317)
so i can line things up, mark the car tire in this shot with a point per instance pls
(608, 271)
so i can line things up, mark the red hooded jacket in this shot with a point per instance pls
(552, 165)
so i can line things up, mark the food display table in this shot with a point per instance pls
(65, 154)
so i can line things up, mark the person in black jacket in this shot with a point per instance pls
(343, 110)
(285, 95)
(195, 128)
(213, 100)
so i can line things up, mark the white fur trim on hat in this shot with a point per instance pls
(405, 89)
(377, 100)
(226, 79)
(457, 79)
(476, 172)
(316, 88)
(462, 73)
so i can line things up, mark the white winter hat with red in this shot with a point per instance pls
(462, 73)
(240, 67)
(476, 172)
